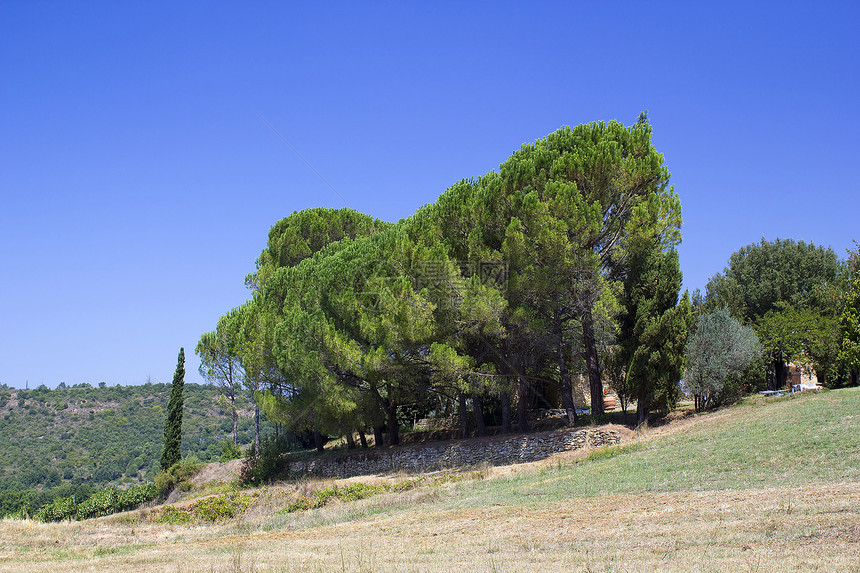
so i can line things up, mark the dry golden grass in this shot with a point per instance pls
(537, 517)
(813, 528)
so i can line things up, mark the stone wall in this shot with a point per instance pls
(440, 456)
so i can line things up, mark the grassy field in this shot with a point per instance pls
(769, 485)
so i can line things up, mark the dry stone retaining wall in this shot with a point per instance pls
(515, 449)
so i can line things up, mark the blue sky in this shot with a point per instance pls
(139, 182)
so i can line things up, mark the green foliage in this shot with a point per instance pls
(771, 275)
(177, 476)
(297, 237)
(221, 507)
(849, 322)
(174, 516)
(267, 463)
(718, 350)
(101, 503)
(105, 435)
(61, 509)
(172, 452)
(220, 363)
(653, 329)
(796, 334)
(352, 492)
(790, 292)
(497, 286)
(17, 500)
(210, 509)
(231, 452)
(134, 496)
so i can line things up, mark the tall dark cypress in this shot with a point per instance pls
(653, 329)
(172, 451)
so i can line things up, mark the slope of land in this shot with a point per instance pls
(764, 486)
(100, 435)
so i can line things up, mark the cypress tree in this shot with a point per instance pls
(653, 328)
(172, 451)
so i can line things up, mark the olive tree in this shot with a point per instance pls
(719, 348)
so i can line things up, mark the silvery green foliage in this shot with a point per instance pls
(719, 347)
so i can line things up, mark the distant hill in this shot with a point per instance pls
(112, 434)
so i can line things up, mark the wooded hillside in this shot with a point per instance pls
(95, 436)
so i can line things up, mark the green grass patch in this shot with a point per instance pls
(812, 438)
(357, 491)
(612, 451)
(319, 498)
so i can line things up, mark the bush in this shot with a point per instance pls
(231, 452)
(352, 492)
(62, 508)
(134, 496)
(267, 465)
(215, 508)
(221, 507)
(717, 352)
(175, 516)
(178, 475)
(102, 503)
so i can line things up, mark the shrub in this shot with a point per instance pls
(174, 516)
(178, 475)
(134, 496)
(717, 351)
(352, 492)
(112, 500)
(220, 507)
(231, 452)
(266, 465)
(101, 503)
(215, 508)
(62, 508)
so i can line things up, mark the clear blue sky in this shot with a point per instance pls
(139, 183)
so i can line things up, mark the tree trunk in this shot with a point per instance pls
(566, 385)
(393, 428)
(506, 412)
(350, 441)
(464, 419)
(523, 403)
(318, 441)
(642, 405)
(362, 439)
(257, 427)
(481, 428)
(625, 403)
(780, 371)
(595, 384)
(855, 377)
(378, 437)
(235, 426)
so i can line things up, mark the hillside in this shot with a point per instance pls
(770, 485)
(96, 436)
